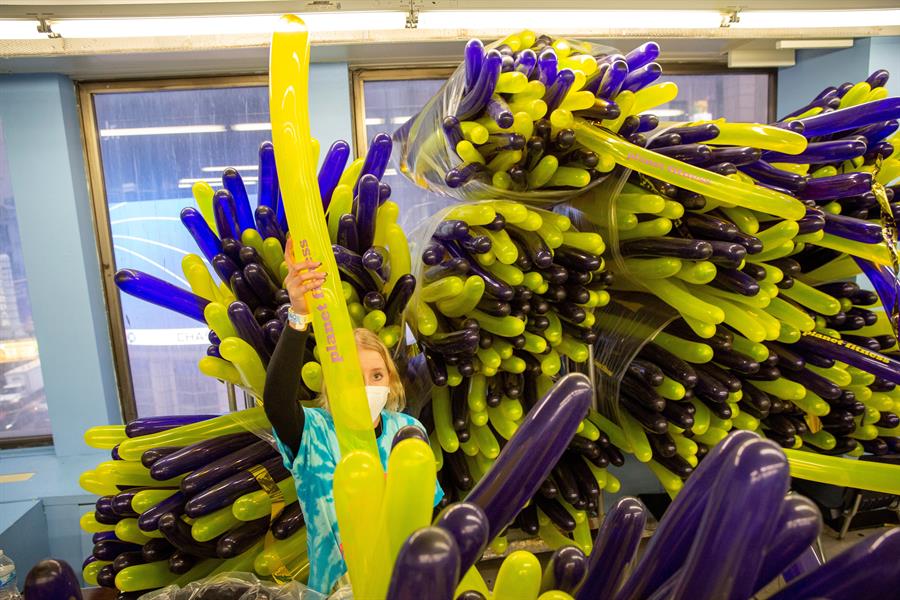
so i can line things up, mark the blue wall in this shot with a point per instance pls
(818, 69)
(39, 516)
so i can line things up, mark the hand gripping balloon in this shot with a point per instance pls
(288, 97)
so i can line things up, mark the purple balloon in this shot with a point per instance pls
(228, 490)
(853, 229)
(642, 55)
(737, 524)
(268, 177)
(427, 566)
(821, 152)
(267, 224)
(852, 117)
(196, 455)
(767, 174)
(331, 170)
(614, 548)
(474, 57)
(641, 78)
(376, 158)
(556, 93)
(469, 526)
(162, 293)
(241, 538)
(532, 452)
(612, 80)
(526, 61)
(547, 65)
(838, 186)
(869, 569)
(226, 466)
(249, 329)
(452, 130)
(149, 519)
(565, 570)
(206, 239)
(365, 208)
(669, 546)
(828, 347)
(51, 579)
(799, 524)
(178, 533)
(475, 99)
(233, 182)
(288, 521)
(225, 212)
(148, 425)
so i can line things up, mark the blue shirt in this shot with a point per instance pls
(313, 472)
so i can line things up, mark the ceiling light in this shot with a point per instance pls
(170, 130)
(805, 19)
(665, 112)
(569, 20)
(21, 30)
(372, 121)
(251, 127)
(399, 120)
(224, 25)
(812, 44)
(236, 167)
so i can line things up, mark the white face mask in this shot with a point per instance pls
(378, 397)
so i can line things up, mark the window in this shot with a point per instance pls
(385, 99)
(151, 143)
(390, 99)
(23, 405)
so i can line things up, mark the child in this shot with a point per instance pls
(306, 437)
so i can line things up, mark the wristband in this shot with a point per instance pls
(297, 321)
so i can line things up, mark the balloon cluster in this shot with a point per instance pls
(770, 336)
(729, 533)
(247, 309)
(186, 497)
(508, 294)
(513, 124)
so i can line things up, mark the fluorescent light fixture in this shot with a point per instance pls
(251, 127)
(20, 30)
(390, 172)
(372, 121)
(812, 44)
(193, 180)
(399, 120)
(238, 167)
(569, 20)
(166, 130)
(225, 25)
(806, 19)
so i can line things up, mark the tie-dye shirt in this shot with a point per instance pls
(313, 472)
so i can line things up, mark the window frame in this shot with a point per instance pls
(360, 75)
(99, 206)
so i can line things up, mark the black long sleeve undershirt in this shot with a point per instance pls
(282, 394)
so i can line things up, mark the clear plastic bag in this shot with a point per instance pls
(632, 319)
(235, 586)
(424, 153)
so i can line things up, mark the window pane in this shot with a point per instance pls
(153, 146)
(23, 405)
(388, 104)
(736, 97)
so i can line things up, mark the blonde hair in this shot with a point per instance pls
(367, 340)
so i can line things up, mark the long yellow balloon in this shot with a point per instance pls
(289, 109)
(688, 176)
(877, 477)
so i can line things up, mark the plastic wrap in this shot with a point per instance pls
(428, 145)
(235, 586)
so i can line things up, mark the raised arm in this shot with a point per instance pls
(283, 373)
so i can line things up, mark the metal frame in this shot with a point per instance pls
(97, 190)
(360, 74)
